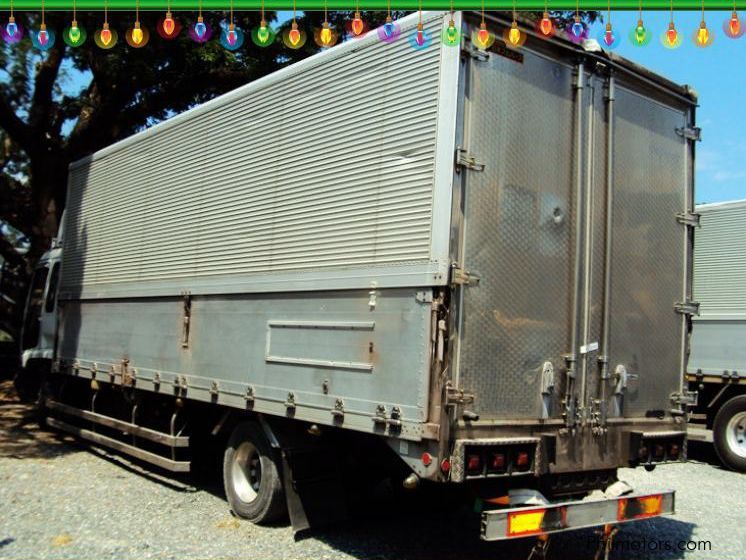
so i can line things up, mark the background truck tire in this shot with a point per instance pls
(251, 476)
(729, 433)
(27, 383)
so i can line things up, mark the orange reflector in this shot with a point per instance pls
(525, 522)
(639, 508)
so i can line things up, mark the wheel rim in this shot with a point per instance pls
(246, 472)
(736, 434)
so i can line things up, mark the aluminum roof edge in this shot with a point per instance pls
(371, 37)
(716, 205)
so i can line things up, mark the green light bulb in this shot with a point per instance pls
(74, 33)
(640, 32)
(452, 32)
(263, 32)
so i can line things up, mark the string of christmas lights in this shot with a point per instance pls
(232, 37)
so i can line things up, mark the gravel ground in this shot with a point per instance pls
(59, 500)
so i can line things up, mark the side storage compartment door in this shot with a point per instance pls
(518, 234)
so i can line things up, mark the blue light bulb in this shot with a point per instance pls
(577, 29)
(11, 28)
(200, 28)
(388, 28)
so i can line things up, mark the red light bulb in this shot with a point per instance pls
(734, 24)
(169, 24)
(294, 34)
(357, 24)
(545, 26)
(483, 35)
(106, 34)
(672, 35)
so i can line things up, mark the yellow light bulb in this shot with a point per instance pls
(326, 34)
(514, 35)
(703, 35)
(137, 34)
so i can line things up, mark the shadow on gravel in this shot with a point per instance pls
(20, 435)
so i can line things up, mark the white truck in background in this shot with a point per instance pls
(717, 364)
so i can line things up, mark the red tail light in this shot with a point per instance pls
(497, 462)
(522, 460)
(473, 463)
(674, 451)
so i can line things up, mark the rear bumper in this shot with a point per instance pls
(532, 520)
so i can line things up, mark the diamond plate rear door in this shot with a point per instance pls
(518, 224)
(649, 250)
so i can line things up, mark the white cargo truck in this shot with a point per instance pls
(717, 365)
(446, 266)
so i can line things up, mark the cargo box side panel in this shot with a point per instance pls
(647, 274)
(321, 173)
(519, 224)
(331, 351)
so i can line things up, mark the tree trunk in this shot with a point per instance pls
(48, 183)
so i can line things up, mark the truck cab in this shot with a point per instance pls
(39, 330)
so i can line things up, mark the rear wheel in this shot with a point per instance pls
(729, 433)
(251, 476)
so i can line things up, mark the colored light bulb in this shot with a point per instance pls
(640, 32)
(577, 27)
(483, 35)
(420, 37)
(106, 35)
(608, 35)
(294, 34)
(452, 32)
(43, 36)
(357, 25)
(734, 25)
(514, 35)
(231, 37)
(263, 32)
(169, 24)
(703, 34)
(74, 32)
(545, 26)
(388, 27)
(326, 34)
(137, 34)
(200, 28)
(672, 35)
(11, 27)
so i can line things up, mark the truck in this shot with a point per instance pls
(454, 267)
(717, 365)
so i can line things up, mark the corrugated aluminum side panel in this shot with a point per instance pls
(720, 260)
(327, 165)
(719, 330)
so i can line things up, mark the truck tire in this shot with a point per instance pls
(251, 476)
(729, 433)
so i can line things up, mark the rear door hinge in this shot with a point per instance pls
(691, 219)
(461, 277)
(686, 307)
(455, 396)
(693, 133)
(467, 160)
